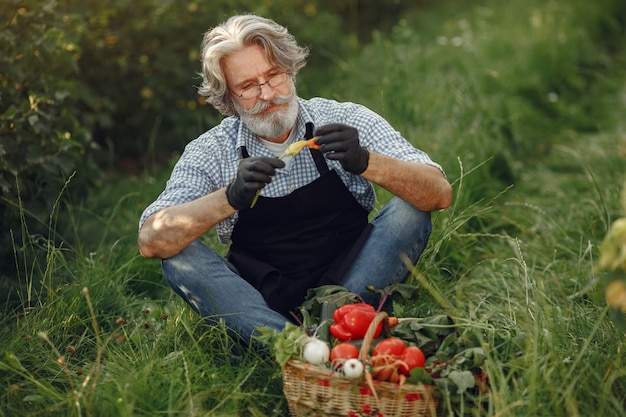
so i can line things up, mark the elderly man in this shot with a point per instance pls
(309, 226)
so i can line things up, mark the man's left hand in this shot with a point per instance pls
(341, 143)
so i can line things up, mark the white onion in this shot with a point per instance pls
(353, 368)
(316, 352)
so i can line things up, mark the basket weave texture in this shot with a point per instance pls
(314, 391)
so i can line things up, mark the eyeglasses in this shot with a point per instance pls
(254, 90)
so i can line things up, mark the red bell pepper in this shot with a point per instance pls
(352, 321)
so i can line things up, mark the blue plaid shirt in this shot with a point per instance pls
(210, 162)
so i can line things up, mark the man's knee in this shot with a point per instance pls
(195, 256)
(402, 219)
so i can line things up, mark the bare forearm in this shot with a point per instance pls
(168, 231)
(423, 186)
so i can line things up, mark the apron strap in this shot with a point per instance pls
(308, 128)
(318, 158)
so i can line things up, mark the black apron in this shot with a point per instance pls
(286, 245)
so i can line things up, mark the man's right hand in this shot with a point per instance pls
(253, 174)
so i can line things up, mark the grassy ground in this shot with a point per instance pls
(521, 103)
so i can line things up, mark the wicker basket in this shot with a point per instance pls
(314, 391)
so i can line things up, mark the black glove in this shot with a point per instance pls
(341, 143)
(253, 174)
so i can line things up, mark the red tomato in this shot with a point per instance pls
(390, 346)
(344, 350)
(413, 357)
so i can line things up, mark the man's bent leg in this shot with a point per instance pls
(212, 287)
(399, 228)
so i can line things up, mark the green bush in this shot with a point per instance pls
(45, 136)
(40, 95)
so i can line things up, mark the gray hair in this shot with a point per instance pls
(234, 35)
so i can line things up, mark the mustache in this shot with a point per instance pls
(262, 105)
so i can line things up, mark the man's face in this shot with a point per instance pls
(272, 113)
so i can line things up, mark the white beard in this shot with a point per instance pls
(272, 125)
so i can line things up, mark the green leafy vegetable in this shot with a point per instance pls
(284, 345)
(463, 380)
(427, 333)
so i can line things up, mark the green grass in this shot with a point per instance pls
(523, 105)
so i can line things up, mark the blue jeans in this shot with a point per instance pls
(212, 287)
